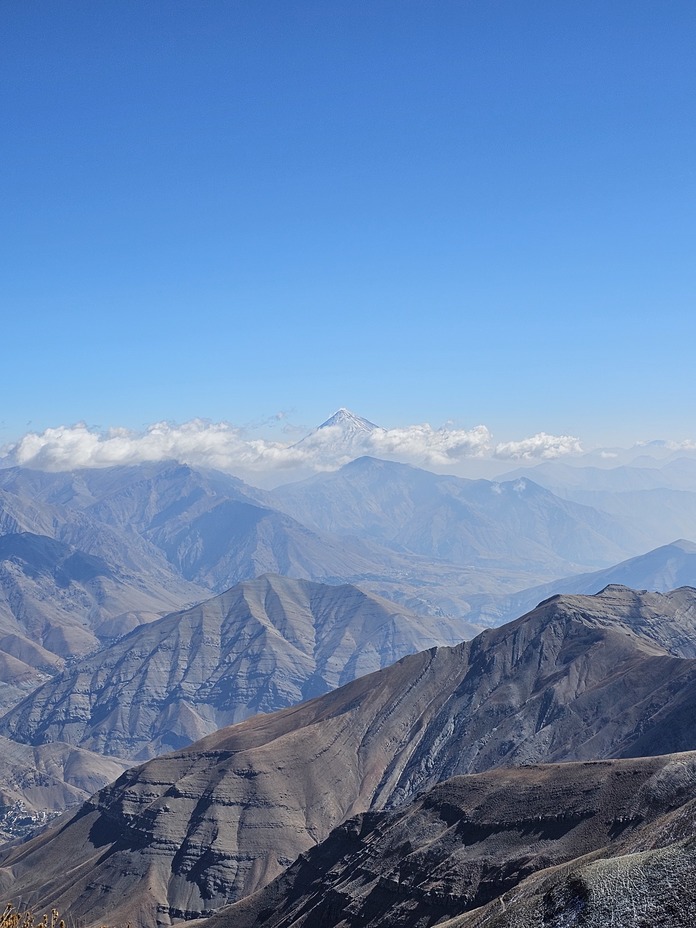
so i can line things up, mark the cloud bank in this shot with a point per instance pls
(539, 447)
(226, 447)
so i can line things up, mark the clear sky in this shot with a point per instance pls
(481, 211)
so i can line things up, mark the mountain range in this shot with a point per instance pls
(143, 607)
(68, 601)
(658, 500)
(578, 679)
(263, 645)
(469, 522)
(167, 535)
(663, 569)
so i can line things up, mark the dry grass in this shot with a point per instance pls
(12, 918)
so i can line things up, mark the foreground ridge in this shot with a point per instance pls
(577, 679)
(599, 843)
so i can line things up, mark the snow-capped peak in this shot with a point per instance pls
(342, 437)
(348, 422)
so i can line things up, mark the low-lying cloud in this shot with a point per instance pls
(539, 447)
(226, 447)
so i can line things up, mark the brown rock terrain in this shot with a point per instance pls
(18, 678)
(469, 844)
(39, 782)
(189, 832)
(56, 597)
(263, 645)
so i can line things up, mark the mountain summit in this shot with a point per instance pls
(349, 423)
(341, 438)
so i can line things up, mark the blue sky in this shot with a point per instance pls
(472, 211)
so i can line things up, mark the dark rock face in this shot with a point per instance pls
(189, 832)
(263, 645)
(471, 841)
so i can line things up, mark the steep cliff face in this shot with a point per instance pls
(189, 832)
(261, 646)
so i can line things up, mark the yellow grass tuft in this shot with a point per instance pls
(12, 918)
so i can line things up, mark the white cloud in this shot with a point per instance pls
(687, 445)
(209, 444)
(540, 446)
(226, 447)
(423, 443)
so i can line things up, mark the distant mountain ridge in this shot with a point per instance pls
(429, 542)
(658, 499)
(57, 597)
(463, 521)
(665, 568)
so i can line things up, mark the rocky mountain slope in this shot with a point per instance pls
(579, 678)
(57, 505)
(214, 529)
(263, 645)
(663, 569)
(20, 677)
(206, 528)
(659, 500)
(470, 844)
(435, 544)
(66, 602)
(174, 530)
(37, 783)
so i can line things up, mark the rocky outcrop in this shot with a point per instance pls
(261, 646)
(470, 844)
(189, 832)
